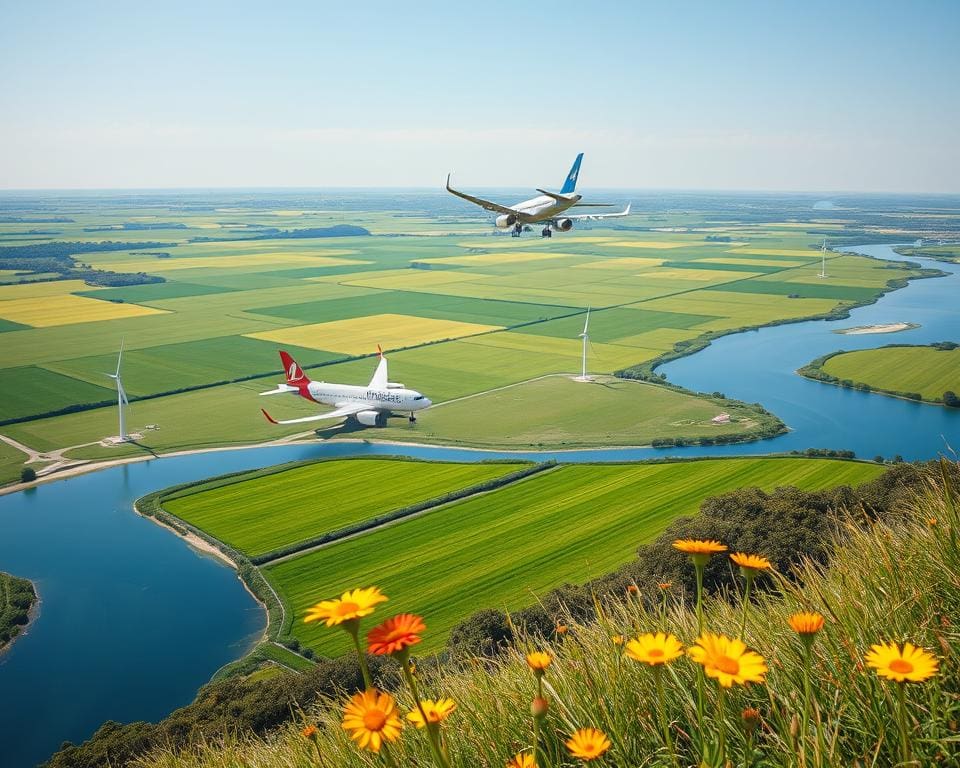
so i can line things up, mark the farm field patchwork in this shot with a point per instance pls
(45, 311)
(504, 548)
(361, 335)
(263, 514)
(926, 370)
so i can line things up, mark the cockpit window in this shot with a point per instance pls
(418, 397)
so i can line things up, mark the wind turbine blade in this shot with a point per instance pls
(119, 357)
(586, 322)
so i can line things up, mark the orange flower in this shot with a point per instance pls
(806, 623)
(728, 660)
(633, 589)
(618, 639)
(309, 732)
(750, 562)
(539, 661)
(665, 585)
(522, 760)
(352, 605)
(588, 744)
(436, 712)
(699, 546)
(395, 634)
(561, 629)
(371, 716)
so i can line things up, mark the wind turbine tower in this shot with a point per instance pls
(121, 398)
(586, 340)
(823, 260)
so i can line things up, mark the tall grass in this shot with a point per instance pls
(896, 580)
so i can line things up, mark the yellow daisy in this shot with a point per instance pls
(350, 606)
(912, 663)
(522, 760)
(436, 712)
(539, 661)
(654, 649)
(753, 563)
(699, 546)
(588, 744)
(371, 718)
(728, 660)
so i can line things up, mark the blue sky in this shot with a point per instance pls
(850, 95)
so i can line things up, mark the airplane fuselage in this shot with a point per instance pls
(392, 399)
(543, 208)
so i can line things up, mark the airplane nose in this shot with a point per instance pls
(427, 402)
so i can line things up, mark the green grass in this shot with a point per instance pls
(504, 548)
(822, 290)
(606, 412)
(9, 325)
(147, 294)
(294, 505)
(926, 370)
(11, 463)
(17, 596)
(30, 390)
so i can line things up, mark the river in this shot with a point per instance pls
(132, 622)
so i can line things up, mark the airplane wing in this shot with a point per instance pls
(345, 410)
(485, 204)
(591, 216)
(379, 380)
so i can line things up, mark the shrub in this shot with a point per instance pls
(28, 475)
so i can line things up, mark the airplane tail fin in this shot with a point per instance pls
(570, 183)
(295, 375)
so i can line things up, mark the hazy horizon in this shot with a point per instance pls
(741, 97)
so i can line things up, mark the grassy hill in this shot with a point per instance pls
(901, 370)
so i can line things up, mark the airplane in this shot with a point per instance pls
(545, 209)
(370, 405)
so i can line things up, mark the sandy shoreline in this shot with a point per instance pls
(886, 328)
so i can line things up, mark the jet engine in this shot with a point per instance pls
(564, 225)
(372, 418)
(506, 221)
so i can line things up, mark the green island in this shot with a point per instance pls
(451, 537)
(486, 326)
(945, 252)
(17, 598)
(926, 372)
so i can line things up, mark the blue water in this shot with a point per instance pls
(133, 622)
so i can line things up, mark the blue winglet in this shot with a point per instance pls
(570, 184)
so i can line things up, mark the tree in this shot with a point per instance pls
(28, 475)
(950, 399)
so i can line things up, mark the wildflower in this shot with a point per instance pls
(755, 563)
(654, 649)
(664, 585)
(932, 521)
(617, 639)
(522, 760)
(751, 719)
(728, 660)
(561, 629)
(371, 717)
(806, 623)
(309, 732)
(396, 634)
(352, 605)
(699, 551)
(539, 707)
(633, 589)
(434, 711)
(538, 661)
(912, 663)
(588, 744)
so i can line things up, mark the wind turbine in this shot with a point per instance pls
(121, 396)
(823, 259)
(586, 340)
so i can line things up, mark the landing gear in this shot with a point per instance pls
(412, 418)
(547, 232)
(517, 229)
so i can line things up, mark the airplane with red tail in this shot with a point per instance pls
(370, 405)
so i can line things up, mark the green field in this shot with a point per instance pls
(605, 412)
(230, 274)
(11, 463)
(294, 505)
(504, 548)
(926, 370)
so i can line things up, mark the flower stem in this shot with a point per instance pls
(699, 570)
(723, 727)
(387, 757)
(746, 603)
(902, 721)
(353, 629)
(432, 735)
(805, 715)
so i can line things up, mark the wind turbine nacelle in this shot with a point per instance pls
(372, 418)
(506, 220)
(564, 225)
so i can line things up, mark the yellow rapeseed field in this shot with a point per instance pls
(31, 290)
(260, 260)
(659, 244)
(66, 309)
(626, 263)
(703, 275)
(757, 262)
(468, 260)
(407, 279)
(360, 335)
